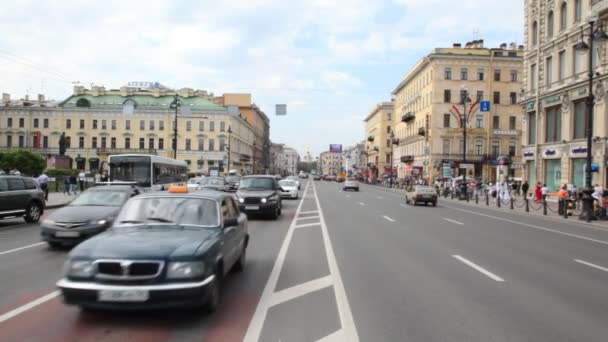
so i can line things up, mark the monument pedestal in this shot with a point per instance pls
(63, 162)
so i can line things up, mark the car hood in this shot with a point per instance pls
(143, 243)
(83, 213)
(255, 193)
(290, 188)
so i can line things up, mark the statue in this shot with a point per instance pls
(62, 144)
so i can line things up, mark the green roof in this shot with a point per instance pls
(142, 102)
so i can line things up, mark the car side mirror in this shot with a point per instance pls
(230, 222)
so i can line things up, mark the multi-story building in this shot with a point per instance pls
(290, 158)
(556, 91)
(98, 122)
(378, 128)
(276, 161)
(331, 163)
(354, 159)
(428, 102)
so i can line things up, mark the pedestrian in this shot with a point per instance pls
(73, 184)
(524, 188)
(544, 192)
(538, 192)
(43, 180)
(81, 178)
(505, 193)
(66, 184)
(574, 191)
(562, 196)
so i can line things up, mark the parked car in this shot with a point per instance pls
(165, 250)
(330, 178)
(260, 195)
(21, 196)
(89, 214)
(316, 177)
(341, 177)
(289, 189)
(232, 182)
(351, 184)
(214, 183)
(421, 193)
(295, 179)
(194, 183)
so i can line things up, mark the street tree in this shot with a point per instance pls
(28, 163)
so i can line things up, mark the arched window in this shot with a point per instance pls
(534, 33)
(563, 16)
(128, 107)
(83, 103)
(578, 10)
(550, 25)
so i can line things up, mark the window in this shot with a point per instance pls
(495, 148)
(479, 121)
(512, 122)
(389, 117)
(94, 124)
(68, 141)
(35, 123)
(201, 126)
(142, 125)
(479, 147)
(446, 120)
(94, 142)
(45, 123)
(9, 141)
(222, 126)
(161, 144)
(479, 95)
(447, 74)
(388, 143)
(460, 147)
(447, 96)
(113, 142)
(9, 122)
(142, 143)
(201, 144)
(534, 33)
(103, 142)
(80, 142)
(15, 184)
(45, 142)
(222, 144)
(496, 97)
(561, 59)
(464, 74)
(563, 16)
(512, 148)
(513, 97)
(388, 129)
(211, 145)
(83, 103)
(577, 59)
(81, 124)
(68, 123)
(496, 122)
(446, 146)
(151, 125)
(533, 77)
(127, 143)
(161, 125)
(550, 24)
(578, 10)
(188, 125)
(151, 143)
(497, 75)
(127, 124)
(388, 158)
(553, 129)
(104, 124)
(580, 119)
(212, 126)
(188, 144)
(21, 141)
(128, 107)
(513, 75)
(113, 124)
(532, 128)
(463, 94)
(480, 74)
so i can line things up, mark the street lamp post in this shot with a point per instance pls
(229, 146)
(599, 34)
(253, 158)
(394, 141)
(175, 105)
(463, 171)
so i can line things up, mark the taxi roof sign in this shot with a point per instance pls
(178, 189)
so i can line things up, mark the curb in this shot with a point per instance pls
(54, 206)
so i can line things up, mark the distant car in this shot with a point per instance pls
(351, 184)
(316, 177)
(295, 179)
(289, 189)
(303, 175)
(330, 178)
(194, 183)
(164, 250)
(232, 182)
(21, 196)
(89, 214)
(213, 183)
(421, 193)
(260, 194)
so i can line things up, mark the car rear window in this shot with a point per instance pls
(30, 184)
(15, 184)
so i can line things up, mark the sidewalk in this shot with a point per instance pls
(57, 199)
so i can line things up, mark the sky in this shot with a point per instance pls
(329, 61)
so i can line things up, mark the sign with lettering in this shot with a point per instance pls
(551, 153)
(552, 99)
(528, 154)
(467, 166)
(484, 106)
(577, 150)
(504, 132)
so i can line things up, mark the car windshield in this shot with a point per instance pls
(177, 211)
(257, 183)
(215, 181)
(425, 189)
(233, 179)
(193, 180)
(287, 183)
(101, 198)
(293, 178)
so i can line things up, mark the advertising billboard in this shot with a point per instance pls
(335, 148)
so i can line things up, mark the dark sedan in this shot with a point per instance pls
(260, 195)
(165, 250)
(87, 215)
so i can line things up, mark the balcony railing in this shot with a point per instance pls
(407, 159)
(126, 151)
(408, 117)
(421, 131)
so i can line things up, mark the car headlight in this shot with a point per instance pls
(241, 200)
(80, 269)
(99, 222)
(183, 270)
(264, 200)
(48, 222)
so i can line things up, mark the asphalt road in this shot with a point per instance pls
(349, 266)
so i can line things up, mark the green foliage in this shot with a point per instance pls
(61, 172)
(28, 163)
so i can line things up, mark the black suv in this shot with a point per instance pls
(260, 194)
(21, 196)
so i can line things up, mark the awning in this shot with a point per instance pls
(80, 159)
(93, 160)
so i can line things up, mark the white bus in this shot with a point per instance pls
(147, 171)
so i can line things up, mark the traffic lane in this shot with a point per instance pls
(57, 322)
(403, 285)
(15, 233)
(543, 279)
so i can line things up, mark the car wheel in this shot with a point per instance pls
(275, 214)
(33, 212)
(54, 244)
(435, 204)
(215, 293)
(239, 266)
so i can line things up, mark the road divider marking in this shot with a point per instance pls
(388, 219)
(314, 224)
(479, 268)
(300, 290)
(309, 212)
(23, 308)
(337, 336)
(22, 248)
(307, 218)
(403, 205)
(347, 196)
(530, 225)
(362, 204)
(456, 222)
(380, 197)
(591, 265)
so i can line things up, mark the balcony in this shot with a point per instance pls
(421, 131)
(408, 117)
(458, 157)
(407, 159)
(370, 139)
(598, 7)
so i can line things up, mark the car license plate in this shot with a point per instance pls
(122, 295)
(252, 207)
(67, 234)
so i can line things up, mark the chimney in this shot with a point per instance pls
(6, 98)
(40, 98)
(520, 48)
(456, 45)
(513, 46)
(503, 46)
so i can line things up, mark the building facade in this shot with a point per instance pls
(331, 163)
(430, 110)
(378, 127)
(290, 158)
(556, 91)
(354, 159)
(99, 122)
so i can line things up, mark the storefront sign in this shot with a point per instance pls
(551, 153)
(518, 166)
(582, 91)
(552, 99)
(467, 166)
(577, 150)
(528, 154)
(504, 132)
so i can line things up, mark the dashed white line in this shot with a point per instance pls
(479, 268)
(307, 218)
(309, 212)
(22, 248)
(23, 308)
(317, 224)
(403, 205)
(591, 265)
(362, 204)
(388, 219)
(300, 290)
(380, 197)
(456, 222)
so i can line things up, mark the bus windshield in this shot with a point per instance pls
(131, 169)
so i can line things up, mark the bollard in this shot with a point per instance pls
(527, 205)
(476, 198)
(468, 195)
(544, 206)
(452, 194)
(565, 209)
(511, 203)
(497, 200)
(487, 200)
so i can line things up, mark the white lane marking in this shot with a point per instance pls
(403, 205)
(309, 212)
(531, 226)
(479, 268)
(21, 248)
(300, 290)
(347, 196)
(337, 336)
(456, 222)
(591, 265)
(380, 197)
(346, 315)
(388, 219)
(307, 218)
(362, 204)
(315, 224)
(23, 308)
